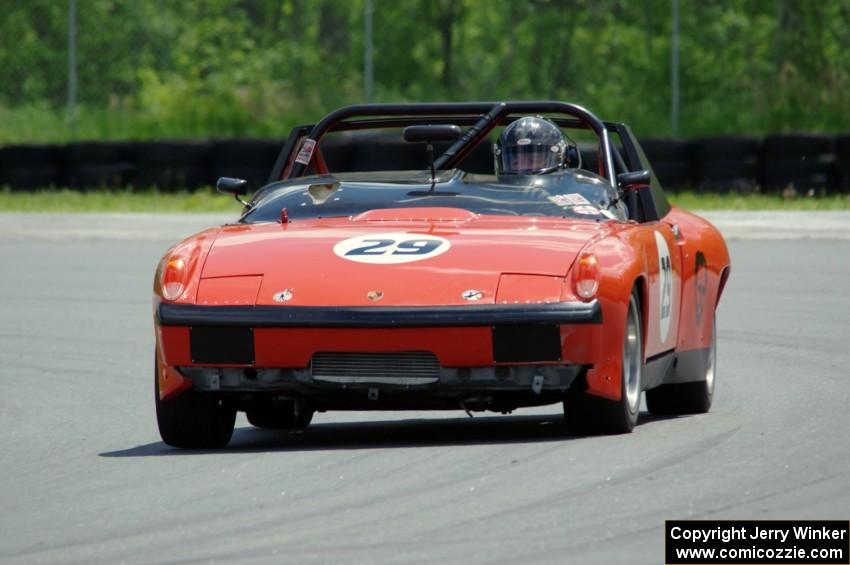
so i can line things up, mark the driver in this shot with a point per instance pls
(535, 145)
(530, 146)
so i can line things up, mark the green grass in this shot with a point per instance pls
(64, 200)
(207, 200)
(755, 202)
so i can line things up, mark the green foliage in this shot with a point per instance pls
(162, 68)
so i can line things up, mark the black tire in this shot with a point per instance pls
(97, 152)
(802, 174)
(249, 159)
(276, 417)
(97, 176)
(391, 153)
(727, 148)
(585, 413)
(668, 150)
(687, 398)
(794, 147)
(673, 174)
(173, 165)
(194, 420)
(842, 161)
(725, 175)
(27, 167)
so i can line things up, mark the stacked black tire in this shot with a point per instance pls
(28, 167)
(172, 165)
(249, 159)
(670, 160)
(718, 164)
(723, 164)
(98, 165)
(842, 162)
(801, 162)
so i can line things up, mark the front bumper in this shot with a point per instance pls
(379, 317)
(482, 348)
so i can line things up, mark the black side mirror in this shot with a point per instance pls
(627, 180)
(430, 134)
(236, 187)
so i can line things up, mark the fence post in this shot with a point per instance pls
(72, 64)
(674, 70)
(368, 71)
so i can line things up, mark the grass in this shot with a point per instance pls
(207, 200)
(756, 202)
(152, 201)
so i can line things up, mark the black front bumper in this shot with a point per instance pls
(379, 317)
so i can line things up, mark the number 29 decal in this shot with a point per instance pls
(391, 248)
(665, 286)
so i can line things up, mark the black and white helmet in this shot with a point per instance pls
(530, 146)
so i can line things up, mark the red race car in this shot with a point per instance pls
(509, 268)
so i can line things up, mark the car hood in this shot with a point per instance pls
(409, 257)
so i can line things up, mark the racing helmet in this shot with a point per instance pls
(530, 146)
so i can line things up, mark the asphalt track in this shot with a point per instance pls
(84, 477)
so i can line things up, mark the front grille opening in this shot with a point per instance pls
(526, 343)
(403, 366)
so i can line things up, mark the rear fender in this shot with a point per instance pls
(705, 270)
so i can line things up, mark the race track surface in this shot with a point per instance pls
(85, 478)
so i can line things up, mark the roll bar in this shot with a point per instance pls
(489, 114)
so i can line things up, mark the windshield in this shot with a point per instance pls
(568, 193)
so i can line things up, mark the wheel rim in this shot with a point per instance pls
(632, 358)
(712, 355)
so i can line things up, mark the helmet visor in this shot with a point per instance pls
(529, 158)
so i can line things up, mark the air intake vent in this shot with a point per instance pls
(407, 367)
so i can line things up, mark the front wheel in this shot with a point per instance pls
(585, 413)
(194, 420)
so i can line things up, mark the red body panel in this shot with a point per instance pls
(507, 259)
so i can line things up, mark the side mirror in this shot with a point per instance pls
(626, 180)
(430, 134)
(236, 187)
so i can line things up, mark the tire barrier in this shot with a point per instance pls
(98, 165)
(172, 165)
(801, 162)
(670, 160)
(249, 159)
(28, 167)
(716, 164)
(721, 164)
(842, 162)
(388, 152)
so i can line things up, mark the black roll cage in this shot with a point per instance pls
(481, 116)
(644, 205)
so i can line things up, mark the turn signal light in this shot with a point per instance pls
(177, 271)
(586, 276)
(173, 277)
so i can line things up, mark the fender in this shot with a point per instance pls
(705, 265)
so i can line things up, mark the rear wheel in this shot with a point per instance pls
(585, 413)
(194, 420)
(687, 398)
(292, 415)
